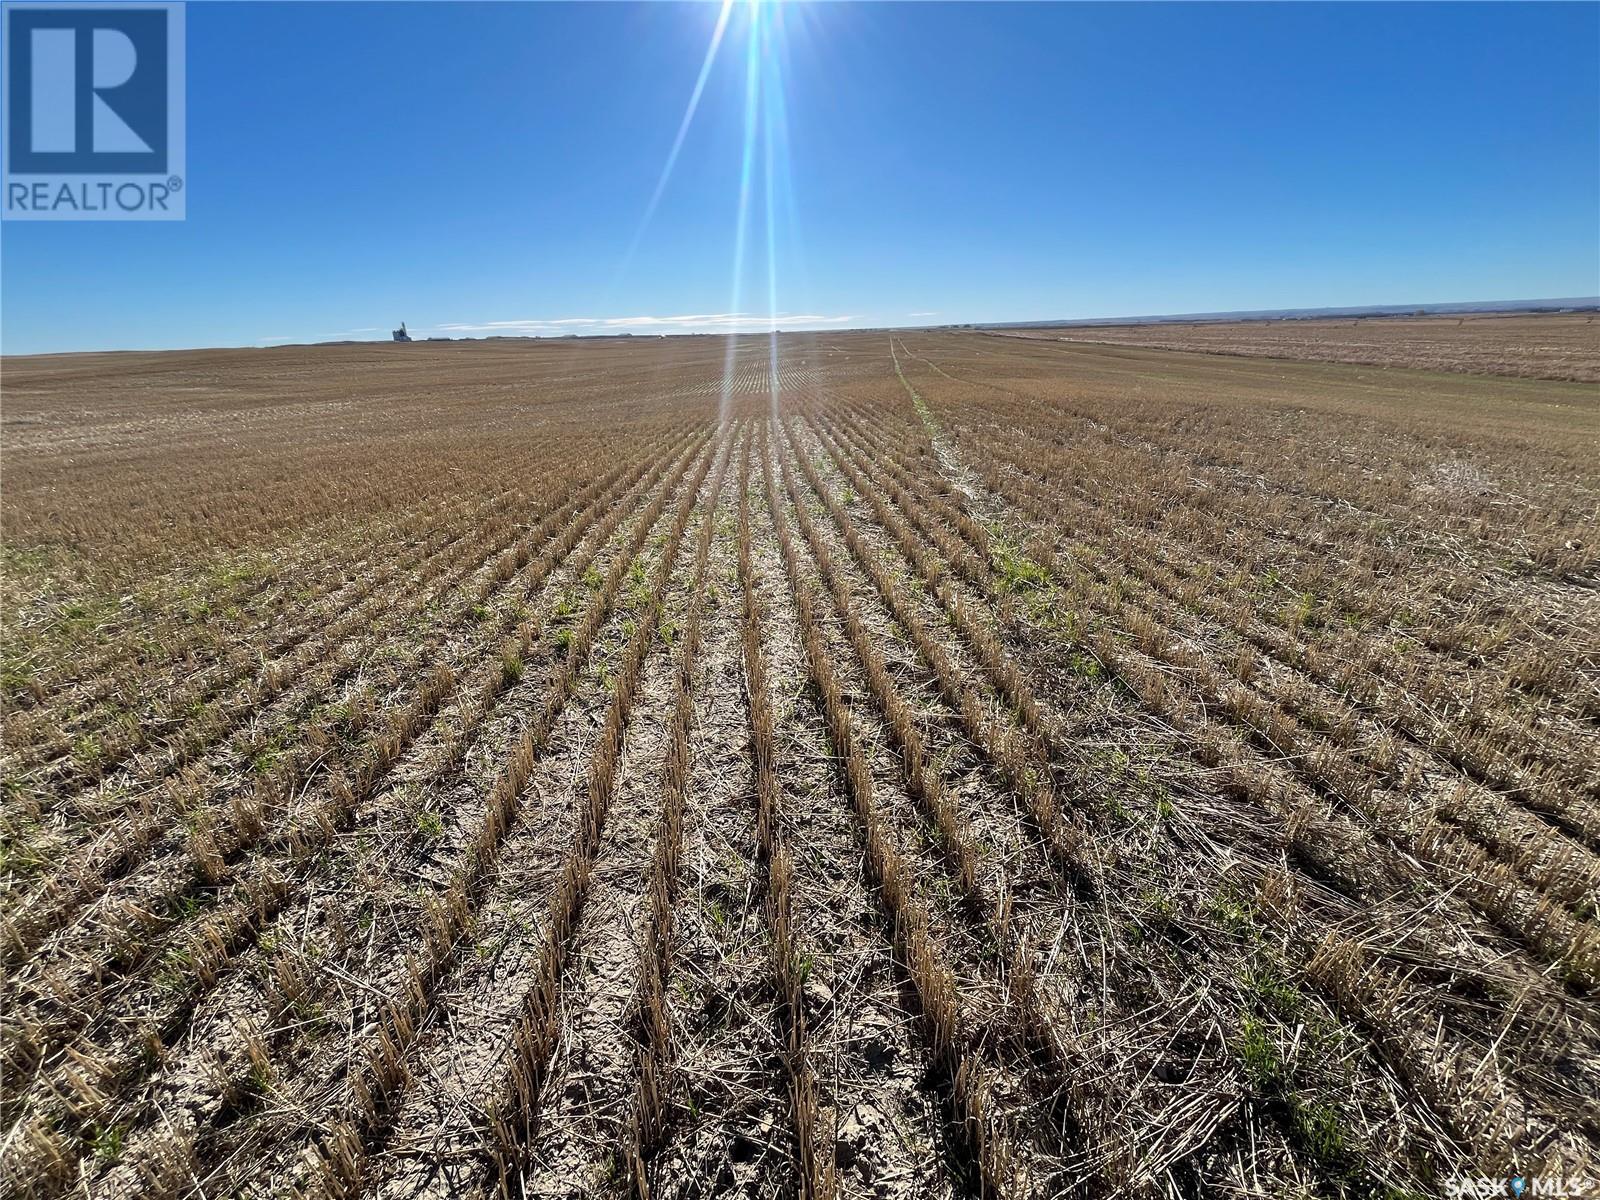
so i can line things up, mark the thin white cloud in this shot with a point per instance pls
(497, 325)
(688, 322)
(923, 314)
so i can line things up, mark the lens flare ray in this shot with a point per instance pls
(752, 98)
(689, 111)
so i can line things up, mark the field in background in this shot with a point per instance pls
(946, 764)
(1534, 346)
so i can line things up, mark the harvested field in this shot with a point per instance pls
(1533, 346)
(930, 765)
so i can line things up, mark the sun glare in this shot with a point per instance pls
(764, 131)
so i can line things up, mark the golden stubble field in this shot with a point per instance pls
(950, 764)
(1529, 345)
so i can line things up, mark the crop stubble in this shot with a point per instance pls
(957, 765)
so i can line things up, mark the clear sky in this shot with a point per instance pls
(476, 168)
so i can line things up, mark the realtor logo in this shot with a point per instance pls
(94, 114)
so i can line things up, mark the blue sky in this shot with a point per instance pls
(480, 168)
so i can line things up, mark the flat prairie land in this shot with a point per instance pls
(851, 764)
(1531, 346)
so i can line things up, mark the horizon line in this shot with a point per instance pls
(1431, 308)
